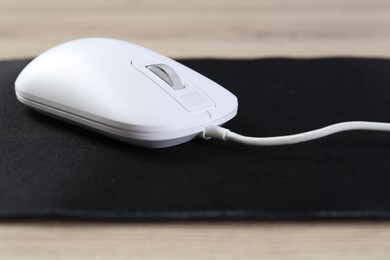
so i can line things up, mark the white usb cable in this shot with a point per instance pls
(221, 133)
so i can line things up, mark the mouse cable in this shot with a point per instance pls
(217, 132)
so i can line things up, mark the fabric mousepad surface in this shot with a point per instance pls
(50, 169)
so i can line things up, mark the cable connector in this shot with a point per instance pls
(217, 132)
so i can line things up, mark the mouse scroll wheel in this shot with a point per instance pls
(168, 74)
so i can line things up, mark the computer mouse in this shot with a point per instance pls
(124, 91)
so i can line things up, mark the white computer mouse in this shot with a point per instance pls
(124, 91)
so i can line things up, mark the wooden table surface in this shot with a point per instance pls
(245, 28)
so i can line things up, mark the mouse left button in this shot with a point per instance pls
(168, 74)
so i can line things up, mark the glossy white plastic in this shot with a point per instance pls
(105, 85)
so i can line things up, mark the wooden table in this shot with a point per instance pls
(245, 28)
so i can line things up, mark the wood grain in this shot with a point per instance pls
(186, 28)
(245, 28)
(197, 241)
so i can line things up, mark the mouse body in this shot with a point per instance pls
(124, 91)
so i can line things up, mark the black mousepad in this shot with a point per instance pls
(54, 170)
